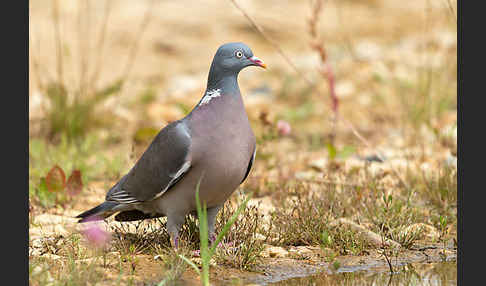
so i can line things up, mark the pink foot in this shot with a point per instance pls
(212, 238)
(175, 243)
(227, 244)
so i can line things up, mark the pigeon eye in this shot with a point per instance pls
(238, 54)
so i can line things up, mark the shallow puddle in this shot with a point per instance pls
(435, 273)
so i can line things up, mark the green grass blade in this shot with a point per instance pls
(206, 252)
(229, 223)
(203, 237)
(163, 282)
(190, 263)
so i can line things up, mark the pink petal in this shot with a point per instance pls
(96, 235)
(283, 128)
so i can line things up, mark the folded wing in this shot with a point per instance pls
(162, 165)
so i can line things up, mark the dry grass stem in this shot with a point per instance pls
(100, 46)
(452, 10)
(58, 41)
(83, 22)
(325, 70)
(134, 48)
(273, 43)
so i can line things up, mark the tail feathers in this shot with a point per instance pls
(132, 215)
(99, 212)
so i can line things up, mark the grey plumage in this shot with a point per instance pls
(214, 143)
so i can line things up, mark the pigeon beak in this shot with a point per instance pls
(256, 61)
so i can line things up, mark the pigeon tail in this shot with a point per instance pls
(99, 212)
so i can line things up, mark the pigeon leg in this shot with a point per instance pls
(174, 224)
(212, 213)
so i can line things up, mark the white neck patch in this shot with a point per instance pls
(210, 94)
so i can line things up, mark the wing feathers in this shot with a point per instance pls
(121, 196)
(175, 178)
(161, 166)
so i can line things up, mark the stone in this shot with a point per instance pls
(368, 50)
(303, 250)
(305, 175)
(51, 256)
(264, 204)
(198, 261)
(370, 236)
(426, 231)
(49, 219)
(345, 89)
(319, 164)
(274, 252)
(450, 161)
(47, 230)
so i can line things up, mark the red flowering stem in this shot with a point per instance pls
(330, 80)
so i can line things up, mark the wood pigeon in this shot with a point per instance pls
(214, 143)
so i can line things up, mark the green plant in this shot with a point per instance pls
(326, 239)
(73, 115)
(299, 113)
(441, 188)
(404, 236)
(243, 239)
(206, 251)
(139, 237)
(80, 160)
(336, 265)
(348, 241)
(344, 152)
(44, 271)
(72, 107)
(443, 231)
(392, 215)
(54, 187)
(293, 223)
(175, 264)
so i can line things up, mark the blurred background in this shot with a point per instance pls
(115, 70)
(106, 76)
(356, 91)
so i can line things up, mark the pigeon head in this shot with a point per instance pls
(230, 59)
(236, 56)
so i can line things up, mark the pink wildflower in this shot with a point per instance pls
(283, 128)
(95, 234)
